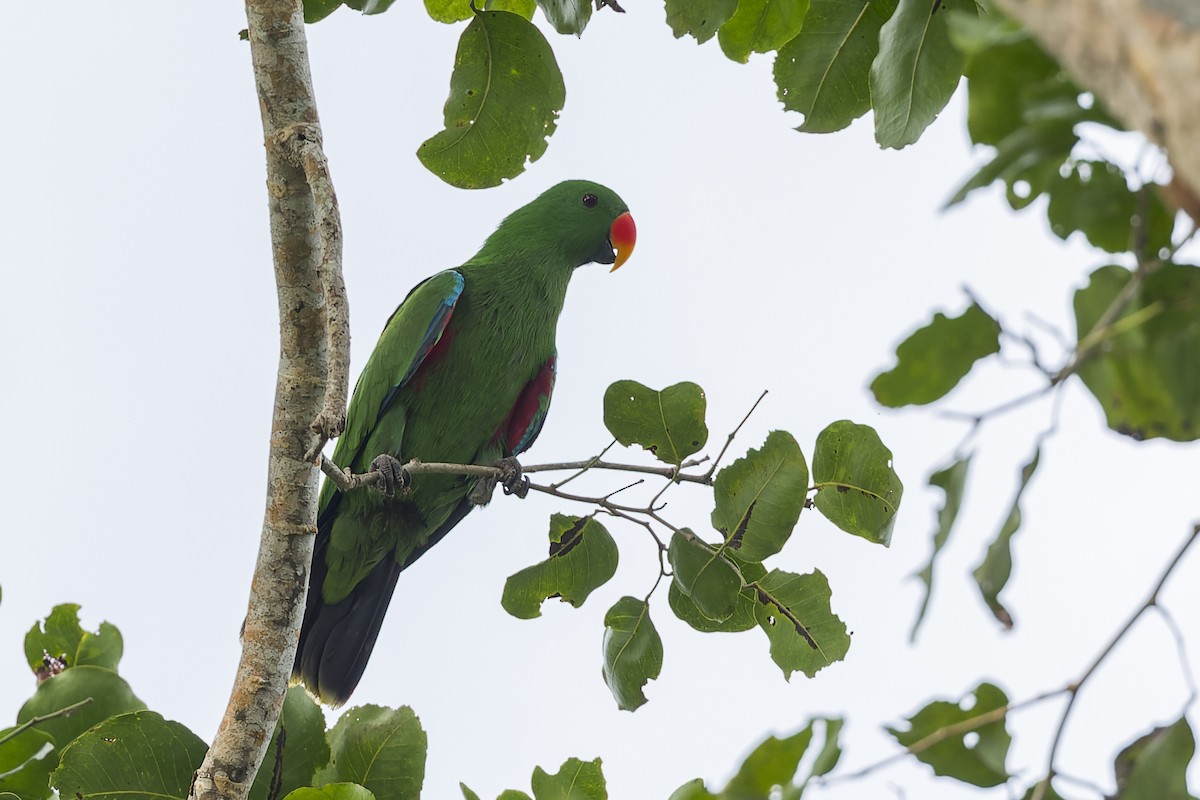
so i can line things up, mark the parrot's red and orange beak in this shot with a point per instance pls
(623, 236)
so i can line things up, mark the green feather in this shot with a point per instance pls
(499, 336)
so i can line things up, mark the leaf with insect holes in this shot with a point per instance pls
(700, 18)
(793, 610)
(60, 636)
(505, 95)
(824, 72)
(583, 557)
(134, 755)
(857, 489)
(670, 423)
(980, 763)
(759, 497)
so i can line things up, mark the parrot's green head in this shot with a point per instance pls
(575, 222)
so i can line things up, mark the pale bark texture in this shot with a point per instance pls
(306, 244)
(1141, 57)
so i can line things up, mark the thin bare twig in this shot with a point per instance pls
(586, 465)
(1073, 688)
(646, 469)
(66, 711)
(348, 481)
(729, 439)
(1185, 665)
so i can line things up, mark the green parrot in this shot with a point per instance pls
(463, 374)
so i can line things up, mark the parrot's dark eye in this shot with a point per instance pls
(590, 200)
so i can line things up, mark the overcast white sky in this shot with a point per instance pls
(138, 349)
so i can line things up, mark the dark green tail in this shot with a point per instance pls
(336, 639)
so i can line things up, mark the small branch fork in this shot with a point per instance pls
(1109, 324)
(1071, 690)
(643, 515)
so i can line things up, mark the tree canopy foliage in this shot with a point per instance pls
(85, 733)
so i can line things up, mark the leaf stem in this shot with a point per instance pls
(729, 439)
(66, 711)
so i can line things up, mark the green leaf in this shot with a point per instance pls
(699, 18)
(110, 696)
(1154, 767)
(1031, 154)
(317, 10)
(773, 763)
(831, 749)
(1095, 199)
(382, 749)
(952, 480)
(583, 557)
(632, 651)
(505, 95)
(331, 791)
(305, 748)
(449, 11)
(61, 636)
(916, 71)
(759, 497)
(693, 790)
(26, 762)
(793, 610)
(1000, 76)
(743, 617)
(567, 16)
(857, 489)
(993, 573)
(575, 780)
(769, 771)
(824, 72)
(760, 26)
(467, 793)
(670, 423)
(975, 34)
(135, 756)
(982, 762)
(523, 7)
(1048, 794)
(1143, 370)
(933, 359)
(513, 794)
(710, 581)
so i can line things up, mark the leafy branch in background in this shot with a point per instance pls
(1137, 330)
(86, 718)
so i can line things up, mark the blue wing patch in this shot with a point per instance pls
(437, 326)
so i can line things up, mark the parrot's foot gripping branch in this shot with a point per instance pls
(392, 475)
(511, 477)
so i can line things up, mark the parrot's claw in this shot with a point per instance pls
(512, 477)
(392, 475)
